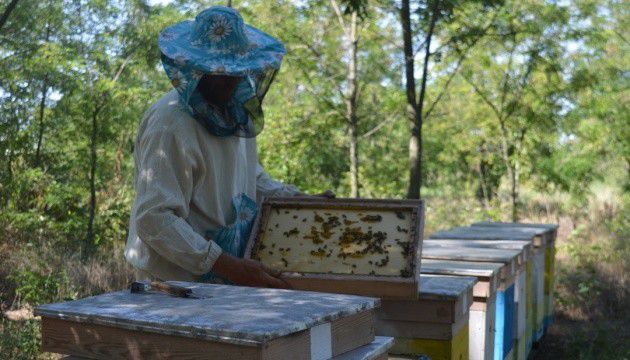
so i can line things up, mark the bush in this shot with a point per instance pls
(19, 340)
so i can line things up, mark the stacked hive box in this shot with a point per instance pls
(216, 321)
(520, 288)
(549, 233)
(505, 305)
(538, 306)
(436, 324)
(483, 310)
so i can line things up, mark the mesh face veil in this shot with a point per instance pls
(218, 42)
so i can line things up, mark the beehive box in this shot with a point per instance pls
(521, 285)
(436, 324)
(483, 310)
(352, 246)
(504, 337)
(549, 233)
(221, 322)
(542, 262)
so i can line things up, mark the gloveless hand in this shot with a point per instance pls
(328, 194)
(247, 272)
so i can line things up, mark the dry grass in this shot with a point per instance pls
(29, 277)
(103, 272)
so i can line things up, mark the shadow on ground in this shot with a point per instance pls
(585, 340)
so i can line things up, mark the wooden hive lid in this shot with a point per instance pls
(432, 251)
(231, 314)
(487, 273)
(523, 245)
(505, 256)
(441, 287)
(462, 268)
(548, 231)
(545, 227)
(537, 238)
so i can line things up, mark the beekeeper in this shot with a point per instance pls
(197, 176)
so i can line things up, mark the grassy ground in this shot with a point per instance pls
(593, 292)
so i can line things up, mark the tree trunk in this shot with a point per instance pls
(511, 171)
(514, 192)
(415, 109)
(351, 107)
(485, 196)
(7, 12)
(89, 246)
(412, 107)
(40, 132)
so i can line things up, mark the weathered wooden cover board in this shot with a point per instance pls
(492, 233)
(506, 256)
(357, 246)
(487, 273)
(228, 314)
(547, 231)
(523, 245)
(376, 350)
(512, 224)
(441, 287)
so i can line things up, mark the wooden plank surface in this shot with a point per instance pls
(482, 331)
(106, 342)
(230, 314)
(93, 341)
(453, 349)
(432, 251)
(548, 231)
(412, 329)
(490, 233)
(509, 257)
(442, 299)
(512, 233)
(376, 350)
(365, 286)
(525, 246)
(487, 273)
(349, 331)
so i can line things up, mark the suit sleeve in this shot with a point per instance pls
(165, 187)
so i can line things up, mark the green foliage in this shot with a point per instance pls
(35, 288)
(19, 341)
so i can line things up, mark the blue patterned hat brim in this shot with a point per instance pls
(264, 53)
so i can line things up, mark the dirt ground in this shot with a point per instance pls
(582, 340)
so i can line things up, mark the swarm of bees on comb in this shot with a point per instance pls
(361, 243)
